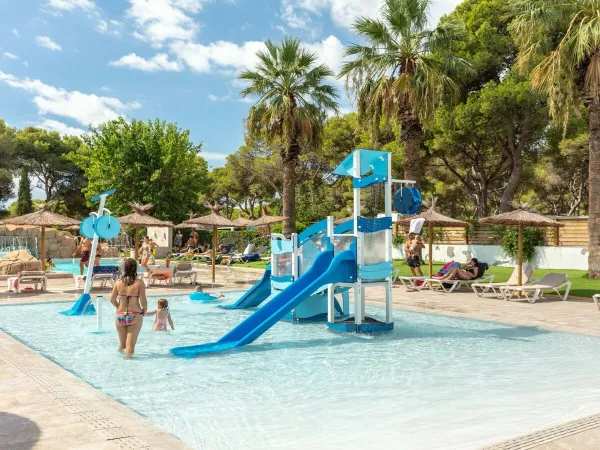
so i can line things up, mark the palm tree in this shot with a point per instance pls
(559, 42)
(292, 103)
(403, 72)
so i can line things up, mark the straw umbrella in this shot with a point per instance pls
(43, 218)
(214, 220)
(434, 219)
(267, 220)
(522, 218)
(242, 222)
(140, 219)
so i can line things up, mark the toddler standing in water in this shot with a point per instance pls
(162, 316)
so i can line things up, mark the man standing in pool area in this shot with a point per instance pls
(178, 241)
(85, 249)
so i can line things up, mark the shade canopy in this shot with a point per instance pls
(210, 220)
(436, 219)
(521, 217)
(139, 217)
(43, 218)
(266, 219)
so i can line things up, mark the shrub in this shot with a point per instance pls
(532, 237)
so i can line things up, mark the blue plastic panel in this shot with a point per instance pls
(359, 183)
(282, 278)
(344, 227)
(376, 271)
(95, 198)
(372, 225)
(316, 229)
(370, 160)
(279, 246)
(256, 295)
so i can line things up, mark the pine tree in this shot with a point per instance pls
(24, 203)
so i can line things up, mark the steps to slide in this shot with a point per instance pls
(255, 295)
(325, 269)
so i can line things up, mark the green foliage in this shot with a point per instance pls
(532, 237)
(300, 227)
(146, 162)
(397, 240)
(24, 203)
(7, 143)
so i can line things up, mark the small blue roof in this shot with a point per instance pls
(375, 160)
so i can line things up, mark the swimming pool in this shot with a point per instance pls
(72, 265)
(435, 382)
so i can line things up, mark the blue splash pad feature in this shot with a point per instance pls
(255, 295)
(79, 306)
(202, 297)
(325, 270)
(369, 326)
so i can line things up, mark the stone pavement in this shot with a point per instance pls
(42, 406)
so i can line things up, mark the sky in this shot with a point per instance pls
(69, 64)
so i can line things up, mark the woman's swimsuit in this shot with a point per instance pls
(127, 317)
(145, 249)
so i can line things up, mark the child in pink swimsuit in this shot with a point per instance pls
(162, 316)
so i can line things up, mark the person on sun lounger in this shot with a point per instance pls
(471, 271)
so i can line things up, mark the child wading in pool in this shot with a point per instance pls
(162, 316)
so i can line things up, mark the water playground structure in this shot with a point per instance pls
(97, 225)
(309, 269)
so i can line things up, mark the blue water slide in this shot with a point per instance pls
(326, 269)
(256, 295)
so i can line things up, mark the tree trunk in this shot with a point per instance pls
(594, 191)
(516, 173)
(411, 137)
(289, 196)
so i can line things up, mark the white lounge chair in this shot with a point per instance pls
(29, 277)
(481, 288)
(451, 285)
(550, 282)
(412, 283)
(184, 270)
(596, 300)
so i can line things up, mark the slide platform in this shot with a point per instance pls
(325, 269)
(256, 295)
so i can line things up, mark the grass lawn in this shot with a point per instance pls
(582, 285)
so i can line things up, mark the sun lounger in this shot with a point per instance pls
(481, 288)
(413, 283)
(596, 300)
(550, 282)
(104, 274)
(184, 270)
(29, 277)
(448, 286)
(158, 274)
(248, 257)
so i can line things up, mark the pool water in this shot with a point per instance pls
(435, 382)
(72, 265)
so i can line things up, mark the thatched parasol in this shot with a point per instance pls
(434, 219)
(140, 219)
(214, 220)
(522, 218)
(242, 222)
(43, 218)
(267, 220)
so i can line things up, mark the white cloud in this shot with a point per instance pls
(162, 20)
(280, 28)
(330, 52)
(16, 32)
(213, 156)
(61, 128)
(70, 5)
(159, 61)
(10, 55)
(45, 41)
(84, 108)
(25, 63)
(220, 54)
(214, 98)
(292, 17)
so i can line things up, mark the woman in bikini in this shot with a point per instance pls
(129, 297)
(146, 250)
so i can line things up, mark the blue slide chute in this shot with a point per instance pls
(256, 295)
(325, 270)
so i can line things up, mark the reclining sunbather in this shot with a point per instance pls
(470, 272)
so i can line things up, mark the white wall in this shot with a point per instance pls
(545, 257)
(163, 237)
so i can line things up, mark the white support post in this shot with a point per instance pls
(359, 297)
(88, 280)
(330, 304)
(295, 256)
(388, 240)
(99, 300)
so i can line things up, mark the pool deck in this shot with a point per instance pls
(43, 406)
